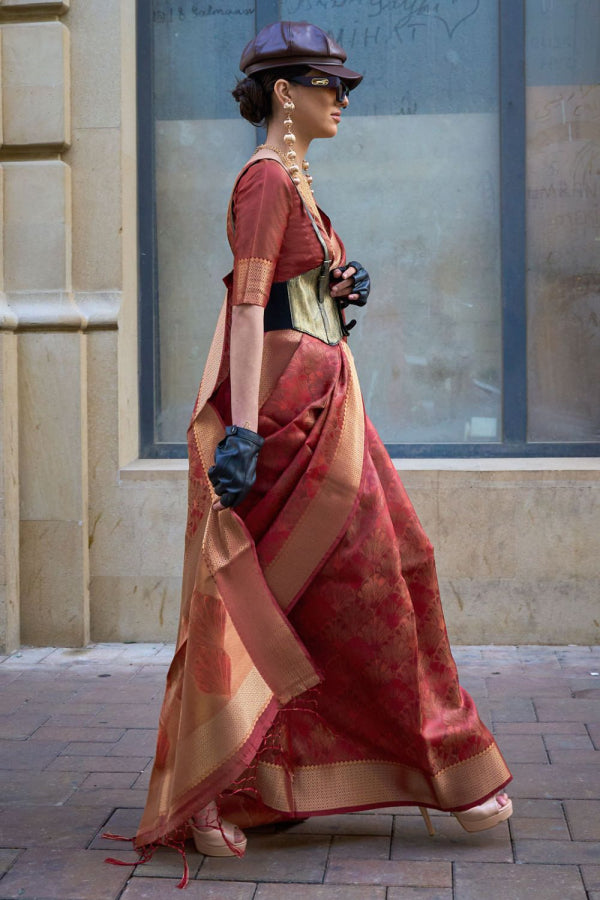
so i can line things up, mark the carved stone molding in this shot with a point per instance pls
(59, 310)
(8, 317)
(99, 310)
(45, 310)
(33, 7)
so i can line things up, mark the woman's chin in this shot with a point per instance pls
(330, 131)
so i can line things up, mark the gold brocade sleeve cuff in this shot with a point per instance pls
(252, 279)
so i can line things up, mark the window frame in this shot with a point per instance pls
(512, 112)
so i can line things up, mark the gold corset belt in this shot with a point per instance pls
(304, 304)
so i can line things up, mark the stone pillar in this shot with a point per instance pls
(44, 358)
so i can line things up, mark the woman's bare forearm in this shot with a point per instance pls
(247, 337)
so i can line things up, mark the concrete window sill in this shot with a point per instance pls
(176, 469)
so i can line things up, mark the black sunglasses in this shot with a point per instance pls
(325, 81)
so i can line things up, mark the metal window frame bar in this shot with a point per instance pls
(491, 449)
(148, 343)
(512, 219)
(511, 73)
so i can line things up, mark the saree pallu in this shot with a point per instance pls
(312, 670)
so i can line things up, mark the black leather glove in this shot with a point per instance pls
(234, 471)
(361, 285)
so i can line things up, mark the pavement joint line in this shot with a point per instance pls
(591, 737)
(546, 751)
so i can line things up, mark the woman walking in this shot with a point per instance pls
(312, 672)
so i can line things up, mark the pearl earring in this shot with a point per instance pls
(289, 140)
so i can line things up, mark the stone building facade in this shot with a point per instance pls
(91, 533)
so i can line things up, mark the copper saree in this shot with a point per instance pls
(312, 671)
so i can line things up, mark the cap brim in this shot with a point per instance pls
(352, 79)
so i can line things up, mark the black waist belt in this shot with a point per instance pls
(278, 315)
(304, 304)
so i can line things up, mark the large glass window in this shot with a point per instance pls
(423, 184)
(419, 145)
(200, 143)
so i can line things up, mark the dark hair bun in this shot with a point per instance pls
(255, 93)
(254, 100)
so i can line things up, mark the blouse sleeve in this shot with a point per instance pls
(261, 206)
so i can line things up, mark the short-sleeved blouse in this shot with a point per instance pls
(270, 233)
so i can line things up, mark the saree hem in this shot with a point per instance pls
(301, 815)
(373, 782)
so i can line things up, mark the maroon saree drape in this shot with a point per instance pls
(312, 671)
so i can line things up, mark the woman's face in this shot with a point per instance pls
(318, 112)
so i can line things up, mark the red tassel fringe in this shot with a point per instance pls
(176, 842)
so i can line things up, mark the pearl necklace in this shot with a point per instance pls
(289, 161)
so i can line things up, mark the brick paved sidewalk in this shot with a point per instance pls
(77, 737)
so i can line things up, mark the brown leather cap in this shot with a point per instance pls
(296, 43)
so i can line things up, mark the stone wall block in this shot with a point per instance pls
(52, 380)
(54, 584)
(492, 543)
(37, 226)
(134, 608)
(36, 84)
(95, 158)
(53, 454)
(521, 610)
(97, 57)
